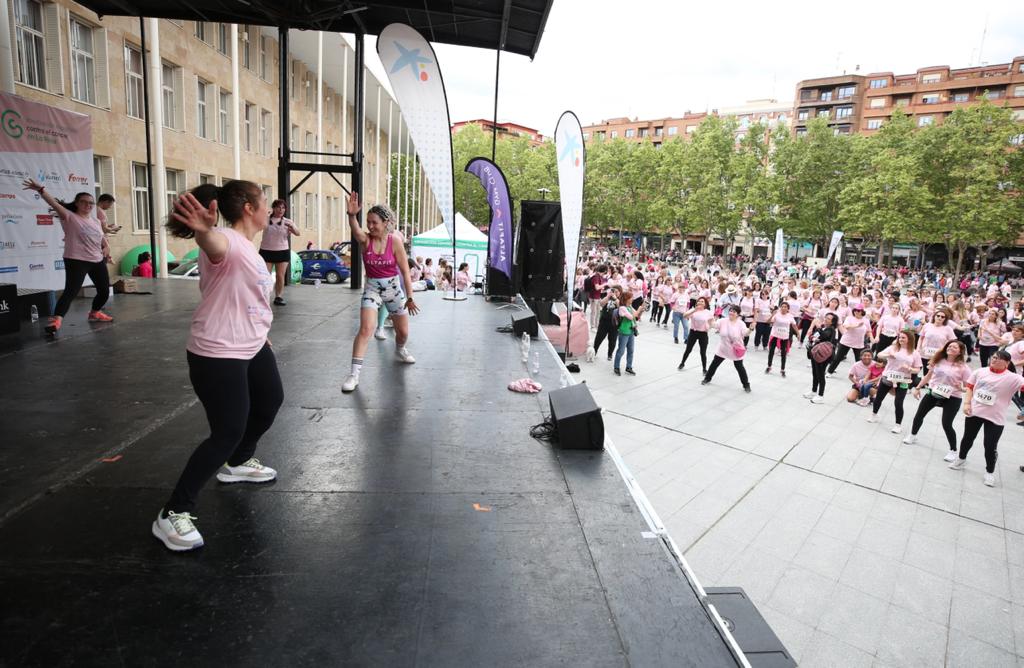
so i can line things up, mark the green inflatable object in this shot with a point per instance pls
(130, 260)
(296, 267)
(191, 255)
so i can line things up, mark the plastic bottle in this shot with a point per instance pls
(35, 313)
(536, 362)
(524, 347)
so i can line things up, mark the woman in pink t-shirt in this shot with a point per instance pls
(230, 361)
(701, 318)
(990, 331)
(902, 363)
(86, 253)
(731, 332)
(934, 335)
(274, 247)
(783, 329)
(890, 324)
(853, 331)
(989, 392)
(762, 319)
(945, 382)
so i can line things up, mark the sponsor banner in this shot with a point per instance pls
(53, 147)
(572, 159)
(837, 236)
(446, 243)
(416, 80)
(780, 246)
(499, 200)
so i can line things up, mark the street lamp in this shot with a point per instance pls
(543, 193)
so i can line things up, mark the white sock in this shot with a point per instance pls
(357, 366)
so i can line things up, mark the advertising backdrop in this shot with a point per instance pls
(53, 147)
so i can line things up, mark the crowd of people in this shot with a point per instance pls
(956, 346)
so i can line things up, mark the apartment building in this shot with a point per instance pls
(839, 100)
(932, 93)
(769, 112)
(504, 130)
(634, 130)
(66, 56)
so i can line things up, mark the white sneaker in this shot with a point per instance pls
(896, 429)
(379, 334)
(390, 325)
(250, 471)
(350, 384)
(873, 418)
(817, 399)
(910, 439)
(958, 464)
(950, 456)
(403, 355)
(830, 375)
(990, 479)
(808, 394)
(863, 402)
(177, 532)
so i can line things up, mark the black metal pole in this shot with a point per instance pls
(356, 278)
(284, 152)
(494, 126)
(157, 261)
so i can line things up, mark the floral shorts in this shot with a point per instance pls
(386, 291)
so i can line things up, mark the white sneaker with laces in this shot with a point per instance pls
(177, 531)
(380, 334)
(958, 464)
(250, 471)
(910, 439)
(404, 356)
(951, 456)
(350, 384)
(808, 394)
(990, 479)
(873, 418)
(817, 399)
(896, 429)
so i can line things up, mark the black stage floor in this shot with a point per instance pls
(414, 522)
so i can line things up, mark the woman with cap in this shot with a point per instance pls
(988, 395)
(731, 332)
(853, 331)
(944, 384)
(902, 363)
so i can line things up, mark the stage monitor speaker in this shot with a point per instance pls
(498, 284)
(524, 321)
(577, 418)
(542, 309)
(540, 251)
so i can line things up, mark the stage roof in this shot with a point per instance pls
(516, 24)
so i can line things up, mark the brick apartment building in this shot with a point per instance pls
(634, 130)
(504, 130)
(837, 99)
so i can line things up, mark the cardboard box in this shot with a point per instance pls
(126, 286)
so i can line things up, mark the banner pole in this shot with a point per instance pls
(156, 259)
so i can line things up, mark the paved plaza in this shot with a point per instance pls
(857, 549)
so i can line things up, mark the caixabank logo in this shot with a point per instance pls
(5, 306)
(36, 267)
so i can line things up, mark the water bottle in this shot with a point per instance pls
(524, 347)
(35, 313)
(316, 283)
(536, 363)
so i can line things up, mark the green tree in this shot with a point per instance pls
(752, 185)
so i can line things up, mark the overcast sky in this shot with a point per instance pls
(657, 58)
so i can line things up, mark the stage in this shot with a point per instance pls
(414, 522)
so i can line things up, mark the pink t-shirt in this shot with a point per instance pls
(275, 237)
(730, 333)
(902, 360)
(762, 309)
(782, 325)
(699, 320)
(953, 375)
(83, 238)
(234, 316)
(1016, 351)
(747, 307)
(855, 328)
(934, 337)
(992, 393)
(890, 326)
(989, 332)
(859, 372)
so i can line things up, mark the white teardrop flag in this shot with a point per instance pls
(572, 158)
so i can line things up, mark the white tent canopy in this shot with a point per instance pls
(470, 246)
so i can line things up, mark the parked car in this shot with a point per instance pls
(323, 264)
(188, 270)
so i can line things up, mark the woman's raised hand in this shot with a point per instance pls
(32, 184)
(352, 205)
(189, 212)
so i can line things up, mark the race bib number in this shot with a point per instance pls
(780, 332)
(928, 351)
(889, 332)
(941, 391)
(896, 377)
(985, 397)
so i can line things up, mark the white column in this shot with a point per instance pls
(159, 185)
(376, 181)
(344, 96)
(397, 204)
(416, 190)
(408, 166)
(391, 116)
(236, 99)
(6, 50)
(319, 138)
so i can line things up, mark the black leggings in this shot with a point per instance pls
(949, 406)
(667, 311)
(75, 272)
(697, 337)
(782, 345)
(606, 328)
(883, 343)
(717, 362)
(986, 353)
(762, 333)
(883, 391)
(972, 425)
(840, 356)
(805, 326)
(818, 377)
(655, 312)
(241, 398)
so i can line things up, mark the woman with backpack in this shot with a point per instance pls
(822, 345)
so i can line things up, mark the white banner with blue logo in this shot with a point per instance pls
(571, 168)
(53, 147)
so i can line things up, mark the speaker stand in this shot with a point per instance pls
(456, 297)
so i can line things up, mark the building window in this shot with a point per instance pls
(643, 132)
(1018, 91)
(293, 209)
(310, 210)
(991, 95)
(140, 197)
(31, 42)
(690, 129)
(103, 169)
(877, 103)
(925, 120)
(205, 179)
(203, 31)
(807, 94)
(844, 112)
(295, 79)
(133, 81)
(672, 131)
(225, 117)
(268, 192)
(961, 97)
(293, 140)
(245, 45)
(249, 120)
(874, 123)
(879, 83)
(657, 132)
(802, 115)
(823, 113)
(930, 98)
(265, 129)
(223, 36)
(615, 134)
(83, 62)
(847, 91)
(931, 78)
(826, 96)
(172, 79)
(175, 183)
(264, 58)
(203, 109)
(801, 132)
(902, 101)
(781, 120)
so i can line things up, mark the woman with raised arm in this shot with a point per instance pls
(86, 253)
(274, 247)
(387, 282)
(230, 361)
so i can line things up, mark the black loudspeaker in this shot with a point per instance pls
(524, 321)
(542, 309)
(540, 251)
(9, 323)
(752, 633)
(577, 418)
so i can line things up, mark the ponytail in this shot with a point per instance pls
(205, 194)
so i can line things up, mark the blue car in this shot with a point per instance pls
(323, 264)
